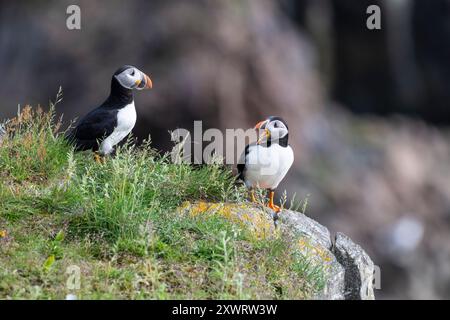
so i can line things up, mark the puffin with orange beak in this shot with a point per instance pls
(104, 127)
(265, 163)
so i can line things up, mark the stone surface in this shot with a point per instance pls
(300, 223)
(259, 222)
(2, 131)
(348, 269)
(359, 268)
(316, 242)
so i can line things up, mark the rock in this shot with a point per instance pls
(319, 245)
(359, 268)
(300, 223)
(348, 269)
(334, 288)
(259, 223)
(2, 131)
(350, 275)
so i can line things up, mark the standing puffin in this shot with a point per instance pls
(265, 163)
(104, 127)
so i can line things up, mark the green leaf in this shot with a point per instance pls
(59, 236)
(49, 262)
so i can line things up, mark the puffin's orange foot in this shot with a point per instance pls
(271, 205)
(98, 158)
(274, 207)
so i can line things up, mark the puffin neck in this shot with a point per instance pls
(119, 94)
(283, 142)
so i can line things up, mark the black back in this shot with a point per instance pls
(101, 122)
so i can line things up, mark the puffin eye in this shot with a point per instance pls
(275, 125)
(132, 73)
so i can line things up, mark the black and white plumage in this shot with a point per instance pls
(265, 163)
(104, 127)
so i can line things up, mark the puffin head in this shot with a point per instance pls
(274, 129)
(131, 78)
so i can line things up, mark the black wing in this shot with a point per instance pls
(96, 125)
(242, 161)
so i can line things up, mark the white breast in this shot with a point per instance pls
(126, 119)
(266, 167)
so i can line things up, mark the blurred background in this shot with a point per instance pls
(368, 110)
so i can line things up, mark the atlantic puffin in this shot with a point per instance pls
(104, 127)
(265, 163)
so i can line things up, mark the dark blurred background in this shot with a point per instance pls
(368, 109)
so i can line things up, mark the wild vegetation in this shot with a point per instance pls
(118, 223)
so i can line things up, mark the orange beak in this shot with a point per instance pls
(148, 82)
(265, 134)
(259, 124)
(145, 83)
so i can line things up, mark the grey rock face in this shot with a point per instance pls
(300, 223)
(349, 269)
(359, 268)
(2, 131)
(335, 285)
(318, 245)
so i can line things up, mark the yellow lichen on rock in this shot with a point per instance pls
(257, 221)
(318, 253)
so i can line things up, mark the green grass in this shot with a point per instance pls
(117, 222)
